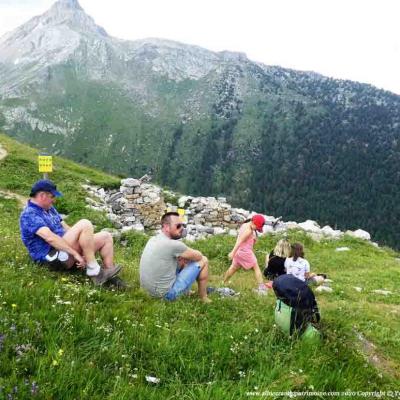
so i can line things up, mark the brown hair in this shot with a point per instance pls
(166, 218)
(297, 251)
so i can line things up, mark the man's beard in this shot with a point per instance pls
(180, 235)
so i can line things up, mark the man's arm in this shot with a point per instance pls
(59, 243)
(191, 254)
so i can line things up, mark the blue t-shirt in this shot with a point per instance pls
(31, 220)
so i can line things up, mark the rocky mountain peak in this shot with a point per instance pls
(50, 37)
(70, 13)
(65, 32)
(67, 4)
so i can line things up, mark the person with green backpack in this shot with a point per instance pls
(296, 309)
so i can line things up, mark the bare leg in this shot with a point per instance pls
(202, 280)
(81, 238)
(104, 244)
(258, 274)
(230, 271)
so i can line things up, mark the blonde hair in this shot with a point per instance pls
(282, 248)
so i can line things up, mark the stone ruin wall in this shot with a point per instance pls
(139, 205)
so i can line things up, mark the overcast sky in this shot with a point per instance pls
(347, 39)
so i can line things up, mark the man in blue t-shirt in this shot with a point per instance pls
(51, 241)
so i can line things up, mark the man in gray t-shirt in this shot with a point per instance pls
(168, 267)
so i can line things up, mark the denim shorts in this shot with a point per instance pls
(184, 281)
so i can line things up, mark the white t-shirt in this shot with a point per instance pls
(297, 268)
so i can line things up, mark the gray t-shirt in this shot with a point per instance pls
(158, 264)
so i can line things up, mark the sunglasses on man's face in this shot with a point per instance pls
(179, 226)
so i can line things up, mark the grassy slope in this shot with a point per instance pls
(76, 341)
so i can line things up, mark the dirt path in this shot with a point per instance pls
(6, 193)
(3, 152)
(370, 352)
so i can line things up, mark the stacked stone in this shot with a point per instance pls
(139, 203)
(136, 206)
(97, 201)
(212, 212)
(207, 216)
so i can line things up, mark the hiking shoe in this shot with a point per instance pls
(105, 274)
(116, 283)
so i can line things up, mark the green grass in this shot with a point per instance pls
(79, 342)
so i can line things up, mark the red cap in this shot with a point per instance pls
(258, 220)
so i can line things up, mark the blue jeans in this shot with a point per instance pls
(184, 281)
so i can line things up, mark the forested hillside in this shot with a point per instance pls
(329, 151)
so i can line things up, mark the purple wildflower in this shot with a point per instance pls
(34, 388)
(2, 338)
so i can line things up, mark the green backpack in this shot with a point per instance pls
(296, 308)
(286, 318)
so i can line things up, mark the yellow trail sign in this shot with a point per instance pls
(45, 163)
(181, 212)
(182, 216)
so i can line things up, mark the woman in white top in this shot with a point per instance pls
(298, 266)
